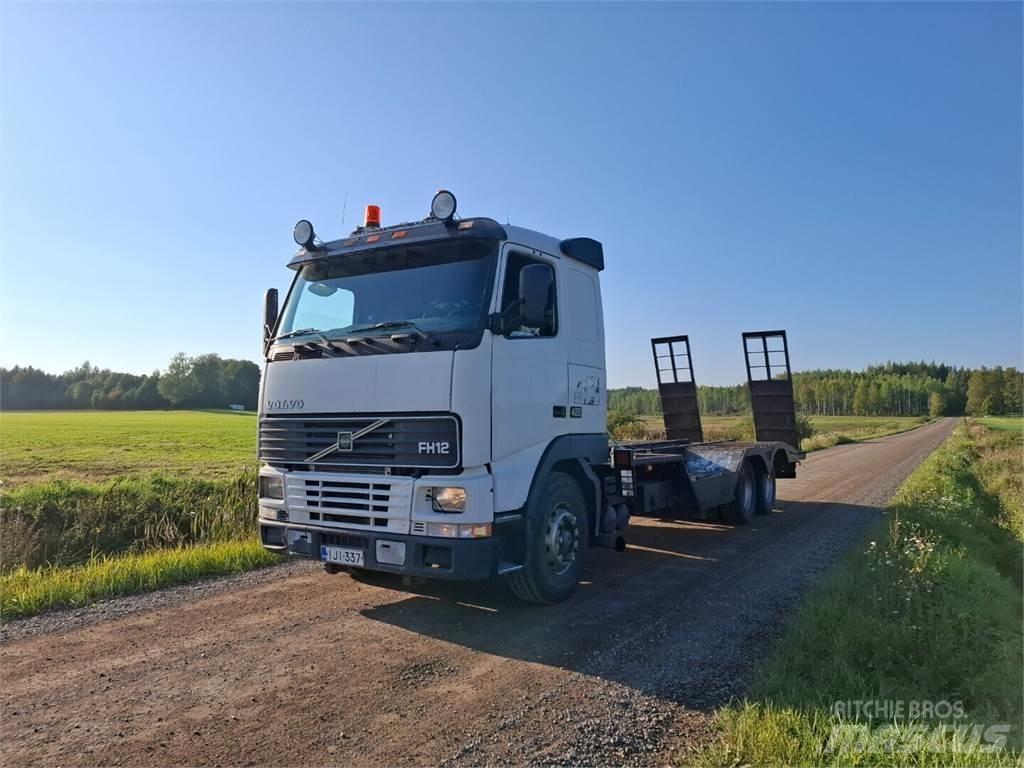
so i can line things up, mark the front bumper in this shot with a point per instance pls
(433, 557)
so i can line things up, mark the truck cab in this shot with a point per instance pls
(434, 403)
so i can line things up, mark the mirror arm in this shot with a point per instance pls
(499, 323)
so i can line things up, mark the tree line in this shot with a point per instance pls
(205, 381)
(893, 389)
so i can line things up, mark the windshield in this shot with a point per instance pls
(434, 288)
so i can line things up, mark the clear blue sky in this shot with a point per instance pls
(852, 173)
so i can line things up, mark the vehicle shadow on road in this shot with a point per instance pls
(698, 599)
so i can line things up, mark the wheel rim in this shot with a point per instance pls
(561, 539)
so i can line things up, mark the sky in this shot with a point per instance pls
(849, 172)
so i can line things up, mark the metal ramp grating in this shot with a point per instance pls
(674, 368)
(771, 386)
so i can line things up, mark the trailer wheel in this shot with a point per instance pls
(765, 491)
(741, 509)
(558, 536)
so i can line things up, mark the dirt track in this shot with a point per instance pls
(316, 669)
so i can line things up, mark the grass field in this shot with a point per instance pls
(78, 488)
(42, 446)
(1009, 423)
(927, 612)
(90, 446)
(830, 430)
(95, 504)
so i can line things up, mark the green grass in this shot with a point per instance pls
(65, 522)
(830, 430)
(841, 430)
(26, 592)
(928, 611)
(1004, 422)
(96, 504)
(90, 446)
(41, 446)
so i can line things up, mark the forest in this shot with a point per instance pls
(209, 381)
(893, 389)
(205, 381)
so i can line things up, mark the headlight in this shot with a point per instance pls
(303, 233)
(452, 531)
(443, 205)
(448, 499)
(271, 487)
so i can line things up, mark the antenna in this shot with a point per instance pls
(344, 207)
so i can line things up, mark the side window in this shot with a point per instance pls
(510, 299)
(582, 306)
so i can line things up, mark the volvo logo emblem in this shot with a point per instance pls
(346, 440)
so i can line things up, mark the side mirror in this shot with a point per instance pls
(269, 315)
(535, 284)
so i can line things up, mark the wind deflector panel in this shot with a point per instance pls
(674, 368)
(771, 386)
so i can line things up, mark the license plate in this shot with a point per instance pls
(341, 556)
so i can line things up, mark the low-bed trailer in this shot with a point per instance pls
(434, 404)
(685, 476)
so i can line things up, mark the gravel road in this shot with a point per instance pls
(292, 667)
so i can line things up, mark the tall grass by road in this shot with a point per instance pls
(25, 592)
(68, 522)
(98, 504)
(923, 624)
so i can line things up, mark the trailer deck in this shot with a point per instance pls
(684, 476)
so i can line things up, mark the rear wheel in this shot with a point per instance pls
(557, 535)
(741, 509)
(765, 491)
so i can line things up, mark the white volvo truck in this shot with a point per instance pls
(434, 404)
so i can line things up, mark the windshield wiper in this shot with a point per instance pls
(310, 332)
(302, 332)
(387, 325)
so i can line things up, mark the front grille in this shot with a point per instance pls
(328, 443)
(350, 502)
(364, 498)
(344, 540)
(298, 353)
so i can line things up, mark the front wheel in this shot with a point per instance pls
(557, 537)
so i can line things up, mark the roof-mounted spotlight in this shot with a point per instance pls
(304, 234)
(443, 206)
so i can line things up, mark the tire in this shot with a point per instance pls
(741, 509)
(765, 491)
(558, 535)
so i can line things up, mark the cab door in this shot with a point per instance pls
(529, 392)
